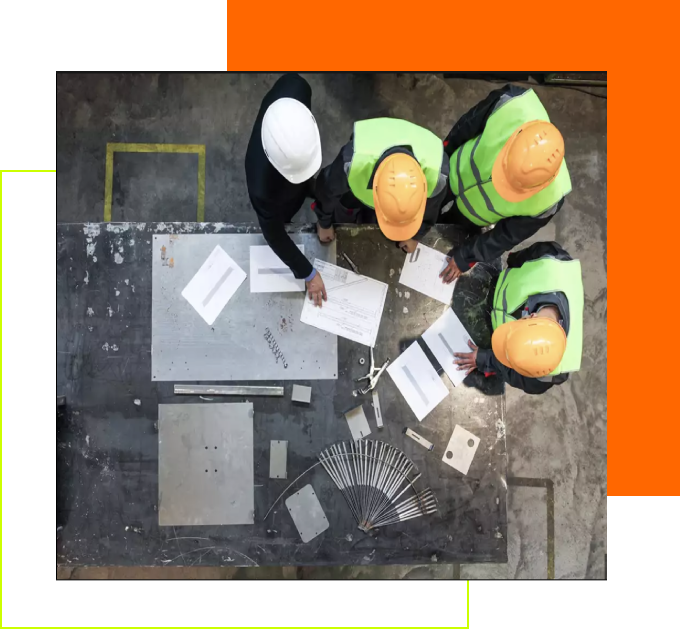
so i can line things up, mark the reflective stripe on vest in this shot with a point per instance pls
(546, 275)
(471, 182)
(373, 137)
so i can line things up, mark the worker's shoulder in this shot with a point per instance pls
(292, 85)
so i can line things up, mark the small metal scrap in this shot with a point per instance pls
(362, 361)
(377, 410)
(202, 389)
(357, 423)
(372, 376)
(278, 457)
(301, 394)
(418, 439)
(351, 264)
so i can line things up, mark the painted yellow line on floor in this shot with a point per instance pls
(124, 147)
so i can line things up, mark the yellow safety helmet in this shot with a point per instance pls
(532, 346)
(399, 196)
(529, 161)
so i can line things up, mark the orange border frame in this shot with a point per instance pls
(391, 36)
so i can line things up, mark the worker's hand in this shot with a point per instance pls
(467, 361)
(316, 290)
(451, 272)
(325, 235)
(408, 246)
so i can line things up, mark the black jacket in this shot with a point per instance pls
(487, 362)
(275, 199)
(335, 202)
(508, 232)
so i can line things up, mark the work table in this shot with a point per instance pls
(107, 435)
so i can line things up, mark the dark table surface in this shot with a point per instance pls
(107, 439)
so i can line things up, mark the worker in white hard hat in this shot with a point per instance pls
(283, 156)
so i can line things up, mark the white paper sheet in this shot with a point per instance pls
(214, 285)
(269, 274)
(444, 337)
(421, 272)
(354, 307)
(417, 381)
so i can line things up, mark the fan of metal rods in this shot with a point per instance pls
(372, 476)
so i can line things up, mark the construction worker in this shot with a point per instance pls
(537, 318)
(283, 156)
(507, 169)
(392, 172)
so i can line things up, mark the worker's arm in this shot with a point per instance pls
(433, 207)
(331, 186)
(274, 232)
(488, 363)
(535, 252)
(507, 233)
(471, 124)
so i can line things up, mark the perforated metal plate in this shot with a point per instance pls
(461, 449)
(257, 336)
(205, 464)
(305, 509)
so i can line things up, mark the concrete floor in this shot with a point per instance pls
(560, 436)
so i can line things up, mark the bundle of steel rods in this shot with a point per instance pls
(372, 476)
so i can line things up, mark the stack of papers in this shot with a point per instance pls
(214, 284)
(446, 337)
(417, 381)
(354, 307)
(269, 274)
(421, 272)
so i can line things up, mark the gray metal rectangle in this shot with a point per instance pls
(263, 271)
(377, 410)
(445, 343)
(301, 394)
(258, 336)
(278, 459)
(216, 389)
(357, 422)
(217, 286)
(205, 464)
(305, 509)
(415, 384)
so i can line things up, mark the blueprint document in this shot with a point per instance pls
(354, 307)
(444, 337)
(421, 272)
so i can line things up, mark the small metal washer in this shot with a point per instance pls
(362, 361)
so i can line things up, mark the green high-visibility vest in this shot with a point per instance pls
(472, 163)
(546, 275)
(373, 137)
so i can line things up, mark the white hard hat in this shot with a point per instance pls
(291, 139)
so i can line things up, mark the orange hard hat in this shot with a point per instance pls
(529, 161)
(532, 346)
(399, 196)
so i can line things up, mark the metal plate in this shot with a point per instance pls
(301, 394)
(278, 459)
(461, 449)
(377, 410)
(258, 336)
(205, 464)
(305, 509)
(357, 422)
